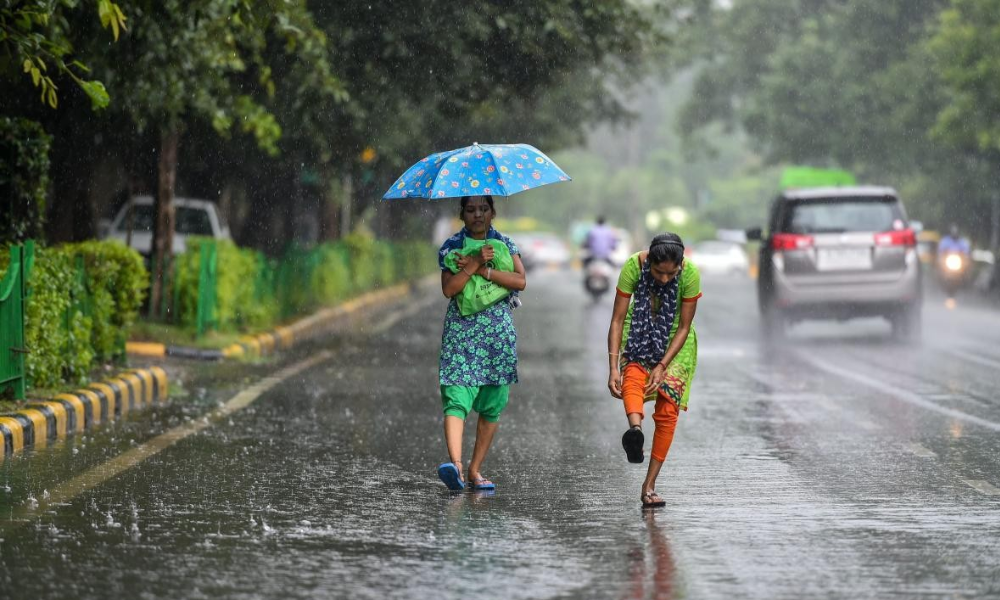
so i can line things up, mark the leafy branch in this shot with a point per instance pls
(31, 32)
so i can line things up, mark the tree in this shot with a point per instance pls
(421, 77)
(206, 62)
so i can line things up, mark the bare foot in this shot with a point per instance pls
(651, 499)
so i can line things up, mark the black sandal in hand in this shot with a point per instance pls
(632, 441)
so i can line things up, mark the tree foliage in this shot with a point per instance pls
(966, 46)
(902, 92)
(184, 61)
(24, 178)
(37, 35)
(264, 95)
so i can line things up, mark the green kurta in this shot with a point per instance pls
(680, 371)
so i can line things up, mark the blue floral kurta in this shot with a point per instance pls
(480, 349)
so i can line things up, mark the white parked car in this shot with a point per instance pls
(716, 257)
(193, 217)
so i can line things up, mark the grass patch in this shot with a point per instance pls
(175, 335)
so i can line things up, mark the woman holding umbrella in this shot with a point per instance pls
(478, 359)
(653, 348)
(478, 348)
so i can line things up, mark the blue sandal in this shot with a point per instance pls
(449, 474)
(483, 484)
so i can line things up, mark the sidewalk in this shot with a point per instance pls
(43, 421)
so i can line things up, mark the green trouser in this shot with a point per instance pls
(487, 400)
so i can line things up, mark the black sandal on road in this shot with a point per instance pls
(632, 441)
(652, 500)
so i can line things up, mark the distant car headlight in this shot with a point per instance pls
(953, 262)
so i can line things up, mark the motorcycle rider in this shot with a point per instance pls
(600, 243)
(953, 256)
(953, 242)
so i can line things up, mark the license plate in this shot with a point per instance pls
(843, 259)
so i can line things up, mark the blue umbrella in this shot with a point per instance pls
(477, 170)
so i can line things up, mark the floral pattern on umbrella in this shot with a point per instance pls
(487, 169)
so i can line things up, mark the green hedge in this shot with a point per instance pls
(238, 304)
(301, 281)
(118, 281)
(72, 319)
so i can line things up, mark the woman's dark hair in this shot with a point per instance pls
(666, 247)
(465, 200)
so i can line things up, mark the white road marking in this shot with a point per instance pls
(920, 450)
(983, 487)
(969, 356)
(900, 394)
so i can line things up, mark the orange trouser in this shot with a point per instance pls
(664, 415)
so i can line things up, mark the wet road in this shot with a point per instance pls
(838, 464)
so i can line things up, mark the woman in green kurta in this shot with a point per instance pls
(653, 348)
(478, 360)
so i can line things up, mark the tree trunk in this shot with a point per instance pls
(329, 208)
(345, 208)
(293, 204)
(163, 230)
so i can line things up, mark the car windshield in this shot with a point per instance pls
(841, 215)
(190, 221)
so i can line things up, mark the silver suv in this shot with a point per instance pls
(839, 253)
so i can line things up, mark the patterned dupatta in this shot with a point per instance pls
(649, 334)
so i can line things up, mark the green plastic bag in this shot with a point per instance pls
(481, 293)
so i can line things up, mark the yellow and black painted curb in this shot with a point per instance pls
(279, 338)
(40, 422)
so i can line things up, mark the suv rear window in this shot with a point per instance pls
(841, 215)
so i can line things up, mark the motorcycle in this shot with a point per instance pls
(953, 272)
(597, 278)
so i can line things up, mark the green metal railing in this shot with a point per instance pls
(277, 289)
(13, 294)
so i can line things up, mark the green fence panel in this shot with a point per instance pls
(13, 292)
(207, 280)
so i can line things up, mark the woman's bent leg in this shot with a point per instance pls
(633, 392)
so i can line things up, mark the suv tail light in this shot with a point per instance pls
(904, 237)
(791, 241)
